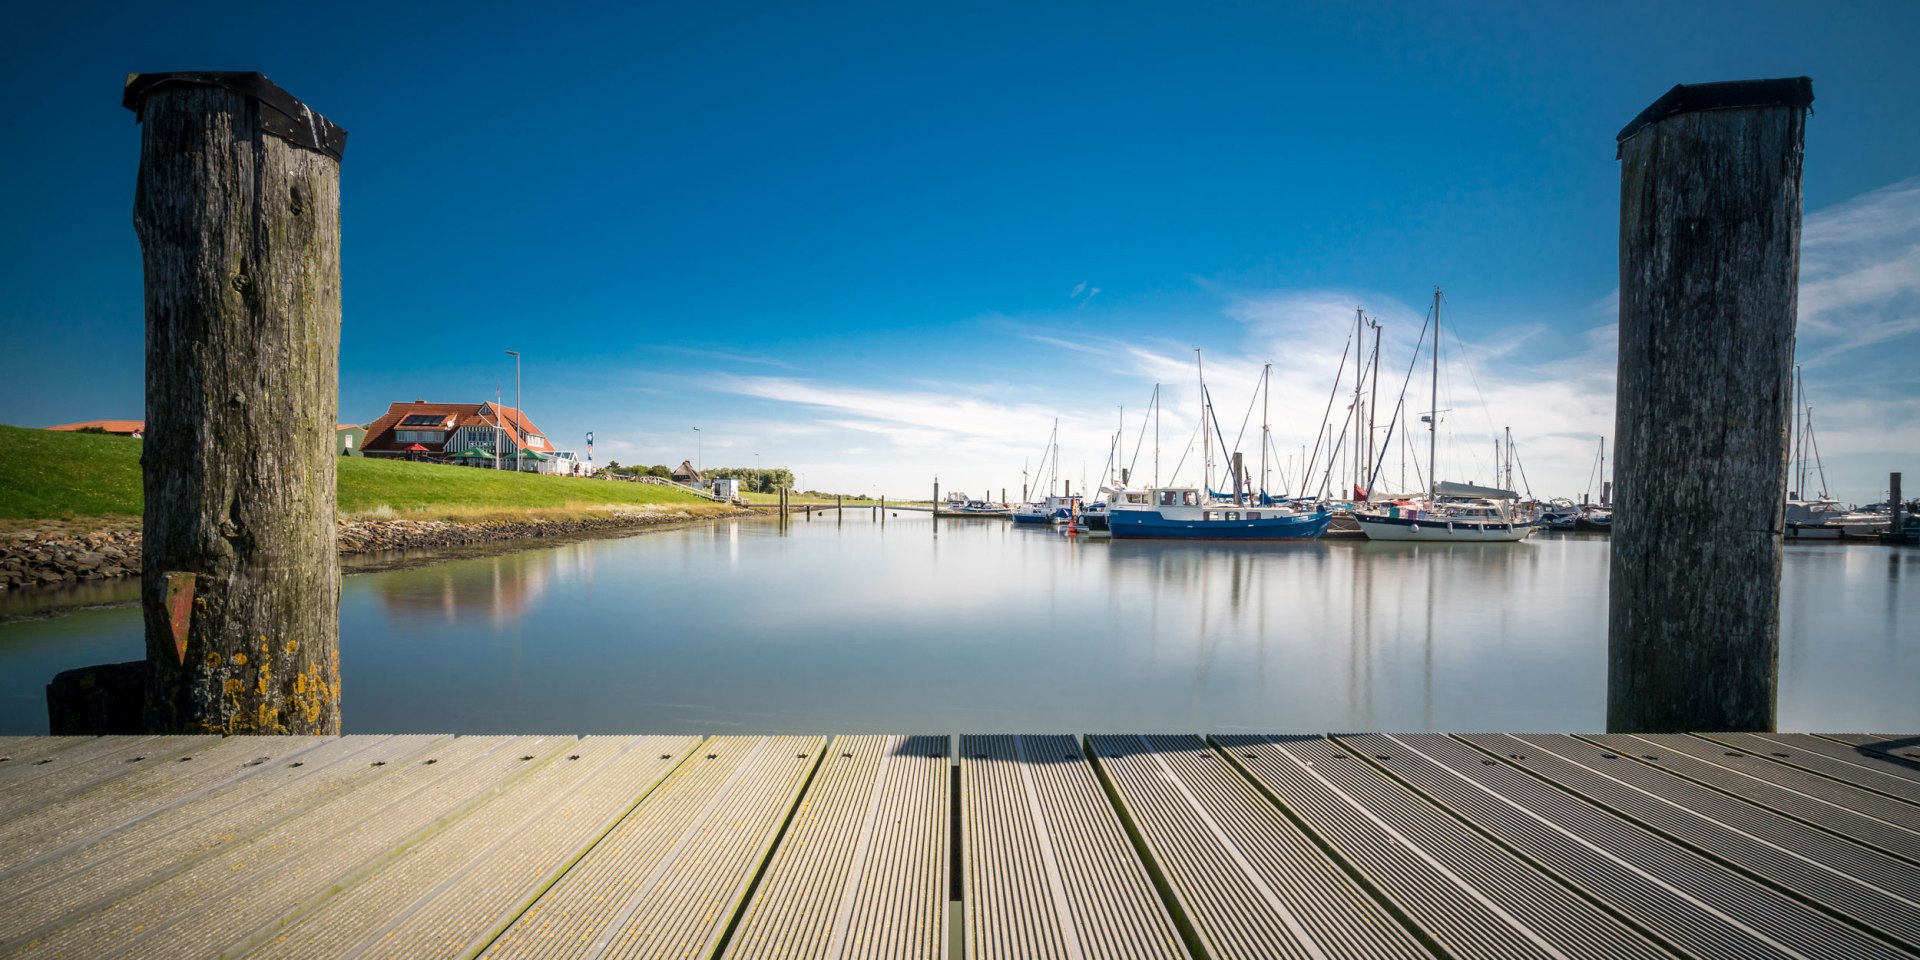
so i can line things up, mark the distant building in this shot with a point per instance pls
(120, 428)
(449, 430)
(349, 439)
(685, 473)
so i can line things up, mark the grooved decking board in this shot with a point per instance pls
(1469, 895)
(668, 880)
(1048, 869)
(1249, 881)
(1692, 902)
(1897, 754)
(1849, 880)
(447, 895)
(216, 902)
(1827, 759)
(151, 784)
(1857, 814)
(862, 871)
(69, 771)
(79, 878)
(23, 758)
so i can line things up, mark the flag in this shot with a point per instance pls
(1359, 492)
(589, 446)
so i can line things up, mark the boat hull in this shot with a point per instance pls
(1440, 530)
(1151, 525)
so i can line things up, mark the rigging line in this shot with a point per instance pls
(1399, 409)
(1473, 378)
(1175, 475)
(1242, 435)
(1326, 480)
(1815, 441)
(1325, 416)
(1208, 395)
(1143, 431)
(1523, 473)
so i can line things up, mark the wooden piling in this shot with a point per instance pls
(1896, 507)
(1710, 209)
(238, 214)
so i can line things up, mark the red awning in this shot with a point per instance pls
(416, 448)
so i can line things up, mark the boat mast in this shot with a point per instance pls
(1156, 434)
(1206, 442)
(1373, 404)
(1266, 393)
(1433, 409)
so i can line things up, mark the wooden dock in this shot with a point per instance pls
(1377, 846)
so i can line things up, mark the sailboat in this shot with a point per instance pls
(1822, 517)
(1451, 512)
(1189, 513)
(1050, 508)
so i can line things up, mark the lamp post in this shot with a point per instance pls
(699, 461)
(519, 415)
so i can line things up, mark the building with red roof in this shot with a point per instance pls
(446, 429)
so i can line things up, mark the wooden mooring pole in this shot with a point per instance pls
(1709, 262)
(238, 214)
(1896, 508)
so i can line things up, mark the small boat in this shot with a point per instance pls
(1826, 519)
(1451, 512)
(979, 508)
(1180, 513)
(1056, 509)
(1446, 520)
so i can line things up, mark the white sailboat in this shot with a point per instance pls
(1451, 512)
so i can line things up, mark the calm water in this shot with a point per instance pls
(855, 626)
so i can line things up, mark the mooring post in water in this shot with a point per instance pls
(936, 498)
(1896, 509)
(1709, 263)
(238, 214)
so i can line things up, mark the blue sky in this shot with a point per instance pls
(876, 243)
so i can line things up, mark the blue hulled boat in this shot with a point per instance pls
(1179, 513)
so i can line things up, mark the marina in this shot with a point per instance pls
(1018, 846)
(865, 621)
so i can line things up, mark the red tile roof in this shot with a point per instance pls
(110, 426)
(451, 417)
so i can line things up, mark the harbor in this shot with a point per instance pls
(1014, 847)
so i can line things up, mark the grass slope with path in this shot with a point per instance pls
(49, 475)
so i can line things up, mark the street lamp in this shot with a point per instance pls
(699, 461)
(519, 413)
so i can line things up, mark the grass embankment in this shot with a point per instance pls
(46, 475)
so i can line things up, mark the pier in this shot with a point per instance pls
(1422, 845)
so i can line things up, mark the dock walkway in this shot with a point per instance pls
(1004, 847)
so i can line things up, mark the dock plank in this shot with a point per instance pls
(1249, 881)
(448, 895)
(85, 876)
(211, 906)
(152, 784)
(862, 871)
(1048, 869)
(1899, 753)
(1848, 881)
(81, 765)
(1830, 759)
(1470, 896)
(1692, 902)
(668, 880)
(1853, 812)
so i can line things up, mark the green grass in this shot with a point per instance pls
(47, 475)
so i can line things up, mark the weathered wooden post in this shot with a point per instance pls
(1896, 508)
(1709, 263)
(238, 214)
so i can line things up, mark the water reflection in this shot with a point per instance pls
(883, 622)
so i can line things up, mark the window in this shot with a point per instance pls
(424, 420)
(1190, 499)
(348, 437)
(419, 436)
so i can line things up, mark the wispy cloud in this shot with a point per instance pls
(726, 357)
(1860, 274)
